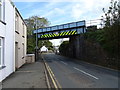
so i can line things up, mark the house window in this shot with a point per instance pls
(17, 23)
(23, 29)
(0, 9)
(1, 52)
(23, 49)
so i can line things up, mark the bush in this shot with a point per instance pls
(64, 47)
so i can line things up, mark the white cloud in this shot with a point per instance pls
(54, 12)
(33, 12)
(51, 0)
(60, 11)
(76, 11)
(57, 42)
(28, 5)
(88, 4)
(88, 9)
(50, 4)
(79, 10)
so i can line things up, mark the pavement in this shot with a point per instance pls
(28, 76)
(77, 74)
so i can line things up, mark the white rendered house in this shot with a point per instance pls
(20, 40)
(7, 38)
(11, 56)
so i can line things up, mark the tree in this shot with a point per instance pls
(31, 25)
(64, 47)
(46, 43)
(112, 16)
(112, 27)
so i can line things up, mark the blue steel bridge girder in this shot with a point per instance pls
(61, 31)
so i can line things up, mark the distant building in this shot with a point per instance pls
(44, 49)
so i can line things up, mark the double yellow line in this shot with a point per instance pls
(55, 83)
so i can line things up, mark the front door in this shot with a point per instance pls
(16, 55)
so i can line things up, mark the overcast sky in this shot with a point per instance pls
(62, 11)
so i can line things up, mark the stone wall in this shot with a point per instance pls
(88, 51)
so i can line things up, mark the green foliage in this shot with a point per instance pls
(112, 41)
(30, 45)
(46, 43)
(31, 25)
(111, 29)
(96, 36)
(109, 36)
(92, 28)
(112, 16)
(63, 47)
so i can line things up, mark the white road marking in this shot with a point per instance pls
(64, 63)
(86, 73)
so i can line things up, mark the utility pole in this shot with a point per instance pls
(36, 47)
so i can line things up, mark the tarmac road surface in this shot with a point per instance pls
(77, 74)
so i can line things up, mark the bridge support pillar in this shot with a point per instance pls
(76, 48)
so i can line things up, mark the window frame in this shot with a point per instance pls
(23, 31)
(1, 10)
(1, 52)
(23, 47)
(17, 22)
